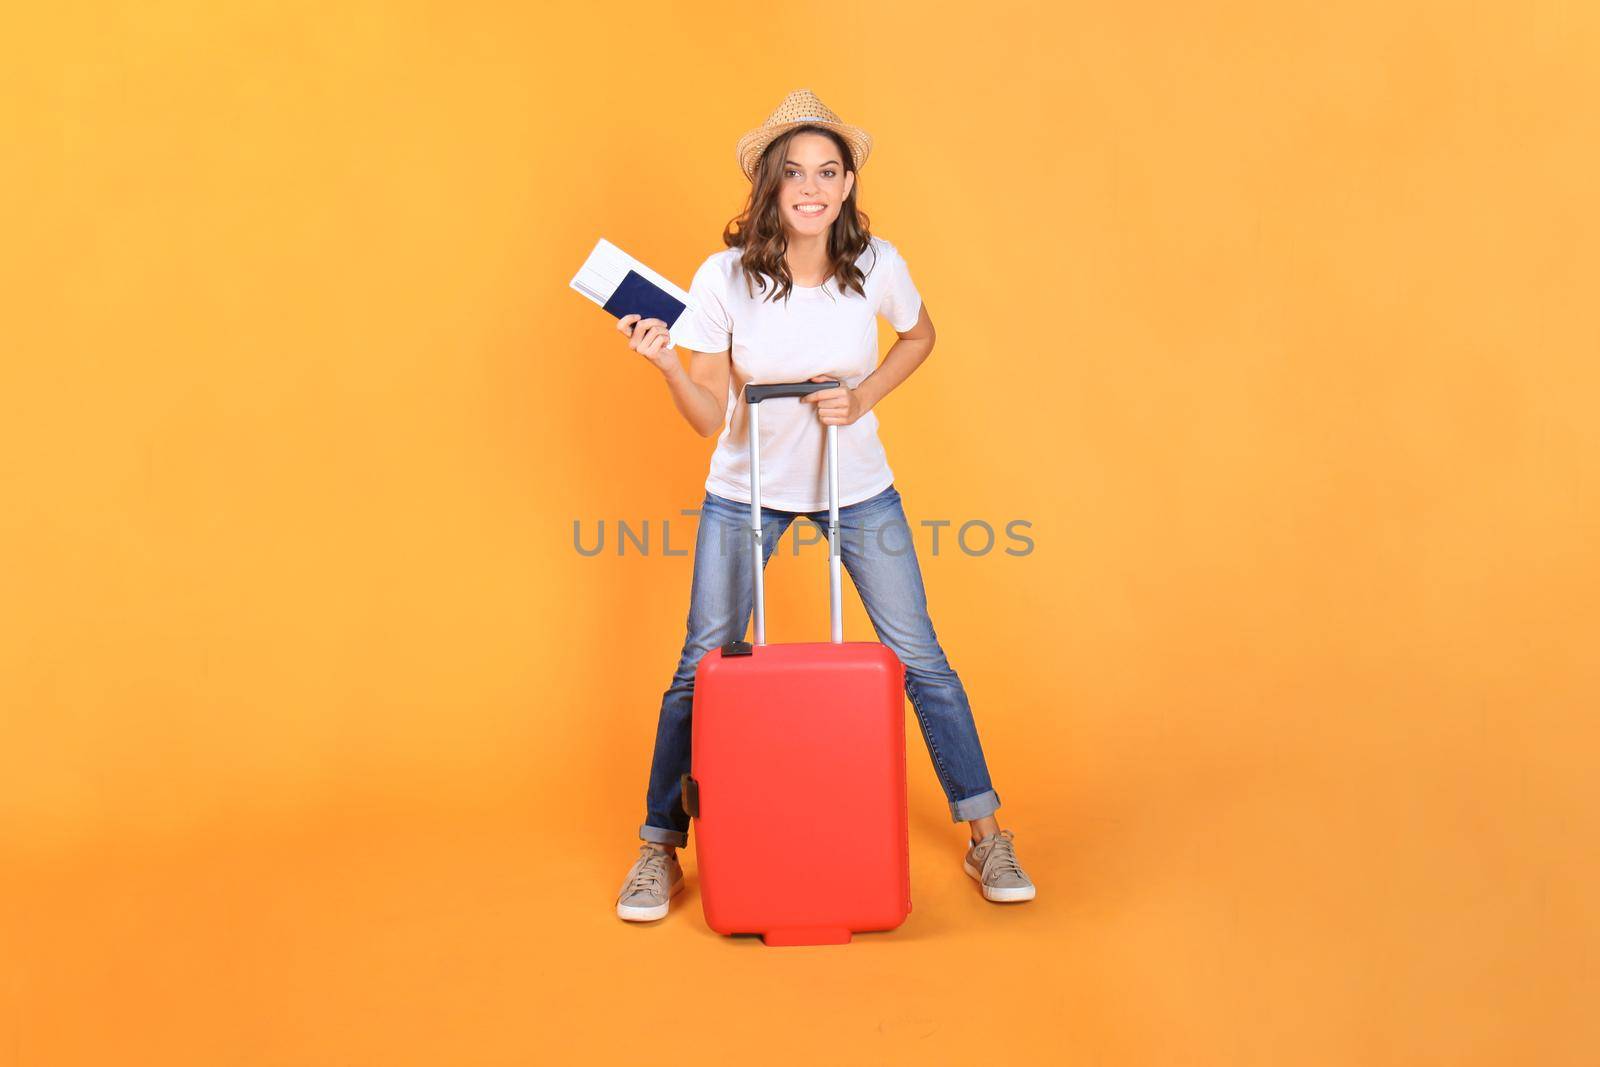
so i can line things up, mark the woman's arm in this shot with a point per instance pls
(699, 393)
(842, 406)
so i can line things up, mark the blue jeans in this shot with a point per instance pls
(876, 548)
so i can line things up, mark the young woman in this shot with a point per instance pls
(795, 297)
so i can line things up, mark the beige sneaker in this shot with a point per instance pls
(993, 862)
(651, 883)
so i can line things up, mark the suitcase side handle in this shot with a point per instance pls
(753, 395)
(690, 796)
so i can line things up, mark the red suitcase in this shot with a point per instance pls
(798, 772)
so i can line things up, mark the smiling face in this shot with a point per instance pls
(802, 200)
(813, 185)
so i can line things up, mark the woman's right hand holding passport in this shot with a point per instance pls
(648, 337)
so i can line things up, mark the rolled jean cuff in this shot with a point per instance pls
(663, 837)
(969, 808)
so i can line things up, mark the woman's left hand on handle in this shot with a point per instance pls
(835, 407)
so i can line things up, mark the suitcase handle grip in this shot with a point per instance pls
(755, 394)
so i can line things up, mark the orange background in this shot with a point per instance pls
(322, 745)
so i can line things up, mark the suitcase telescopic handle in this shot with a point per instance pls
(753, 396)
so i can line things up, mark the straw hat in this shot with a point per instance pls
(800, 108)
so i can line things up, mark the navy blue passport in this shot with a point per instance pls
(638, 295)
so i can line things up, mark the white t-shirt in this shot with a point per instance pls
(819, 330)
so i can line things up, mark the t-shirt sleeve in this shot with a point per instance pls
(704, 327)
(901, 304)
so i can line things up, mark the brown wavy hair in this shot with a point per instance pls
(758, 228)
